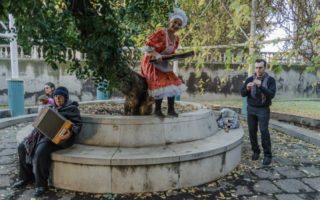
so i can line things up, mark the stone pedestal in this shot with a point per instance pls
(124, 154)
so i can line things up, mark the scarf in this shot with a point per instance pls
(264, 81)
(30, 142)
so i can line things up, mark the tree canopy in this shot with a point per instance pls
(101, 29)
(98, 28)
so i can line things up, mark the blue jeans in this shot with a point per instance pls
(261, 116)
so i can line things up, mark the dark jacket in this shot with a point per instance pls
(71, 112)
(269, 92)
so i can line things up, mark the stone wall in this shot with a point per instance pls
(218, 83)
(36, 73)
(215, 81)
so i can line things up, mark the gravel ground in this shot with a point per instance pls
(293, 174)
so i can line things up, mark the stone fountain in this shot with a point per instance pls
(122, 154)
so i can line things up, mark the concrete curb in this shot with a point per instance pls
(6, 122)
(289, 118)
(301, 133)
(295, 131)
(5, 113)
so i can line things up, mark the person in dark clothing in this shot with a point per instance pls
(35, 150)
(259, 90)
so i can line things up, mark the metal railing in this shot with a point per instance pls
(209, 54)
(37, 53)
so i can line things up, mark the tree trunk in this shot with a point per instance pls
(137, 99)
(252, 42)
(135, 88)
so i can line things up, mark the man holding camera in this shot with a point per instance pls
(259, 90)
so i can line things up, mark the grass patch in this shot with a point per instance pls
(306, 108)
(301, 108)
(3, 106)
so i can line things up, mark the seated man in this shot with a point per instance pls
(35, 150)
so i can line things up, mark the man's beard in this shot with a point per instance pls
(259, 74)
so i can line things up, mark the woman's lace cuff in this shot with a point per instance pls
(147, 49)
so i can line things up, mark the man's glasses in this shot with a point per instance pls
(259, 67)
(46, 87)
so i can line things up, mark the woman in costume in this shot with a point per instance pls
(162, 82)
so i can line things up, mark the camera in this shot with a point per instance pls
(228, 123)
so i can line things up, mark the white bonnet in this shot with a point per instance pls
(179, 14)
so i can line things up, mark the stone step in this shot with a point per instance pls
(120, 170)
(143, 131)
(95, 155)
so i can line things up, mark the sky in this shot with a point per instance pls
(277, 33)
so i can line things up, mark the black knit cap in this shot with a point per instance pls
(63, 91)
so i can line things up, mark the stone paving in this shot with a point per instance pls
(293, 175)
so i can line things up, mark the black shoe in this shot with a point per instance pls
(158, 113)
(255, 156)
(173, 113)
(157, 110)
(267, 160)
(39, 191)
(20, 184)
(171, 110)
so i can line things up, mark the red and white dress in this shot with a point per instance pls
(162, 82)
